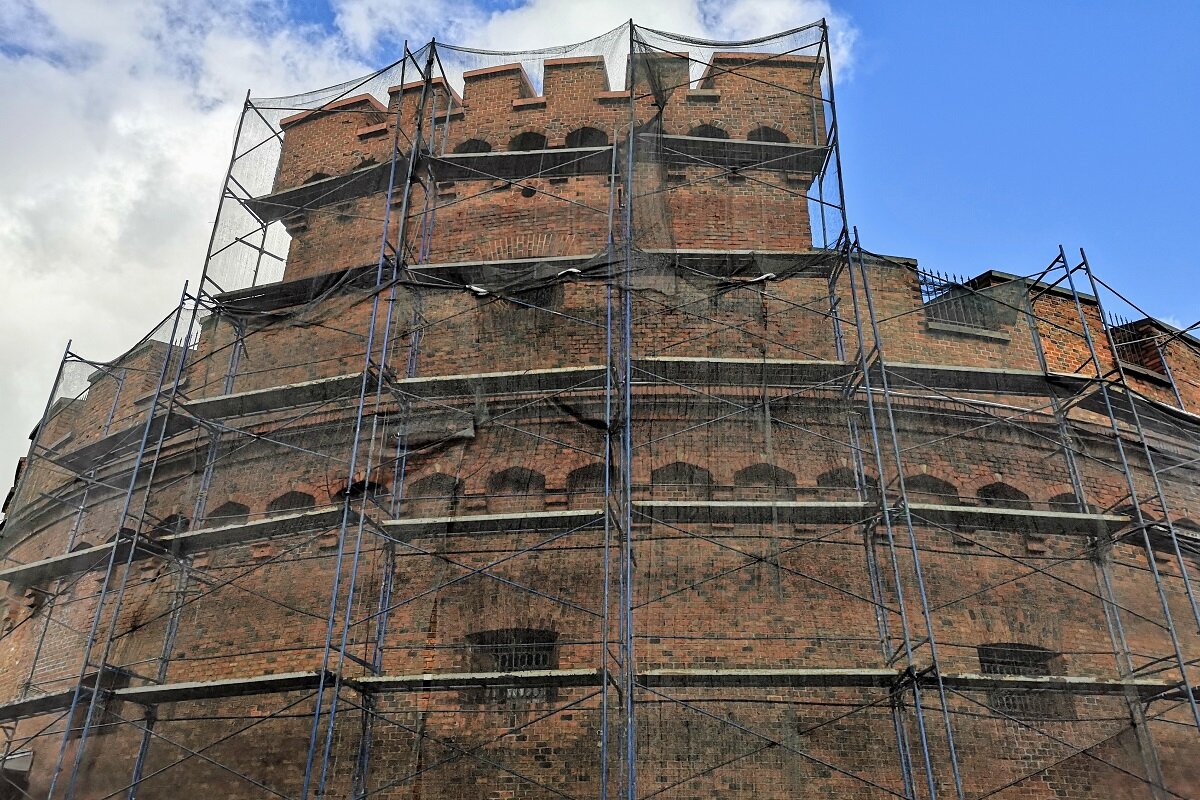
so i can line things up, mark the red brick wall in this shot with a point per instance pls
(708, 594)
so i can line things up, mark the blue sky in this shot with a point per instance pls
(983, 138)
(974, 136)
(981, 135)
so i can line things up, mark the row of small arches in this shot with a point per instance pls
(232, 512)
(681, 475)
(594, 137)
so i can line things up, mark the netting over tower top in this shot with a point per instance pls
(623, 75)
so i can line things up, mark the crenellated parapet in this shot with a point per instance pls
(739, 97)
(535, 160)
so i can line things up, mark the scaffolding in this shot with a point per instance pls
(619, 468)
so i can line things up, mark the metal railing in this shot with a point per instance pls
(948, 298)
(1134, 343)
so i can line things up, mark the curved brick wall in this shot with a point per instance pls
(714, 588)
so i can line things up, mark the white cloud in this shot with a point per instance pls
(119, 118)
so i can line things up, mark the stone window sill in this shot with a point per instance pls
(966, 330)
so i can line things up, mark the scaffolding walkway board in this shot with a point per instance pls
(647, 511)
(520, 522)
(791, 374)
(177, 544)
(816, 678)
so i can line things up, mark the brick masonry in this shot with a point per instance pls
(708, 593)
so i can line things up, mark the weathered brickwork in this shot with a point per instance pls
(712, 427)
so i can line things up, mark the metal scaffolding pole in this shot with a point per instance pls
(328, 668)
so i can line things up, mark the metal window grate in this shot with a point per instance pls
(950, 299)
(1029, 661)
(514, 650)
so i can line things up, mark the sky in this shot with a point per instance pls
(975, 136)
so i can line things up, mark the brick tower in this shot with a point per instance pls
(540, 429)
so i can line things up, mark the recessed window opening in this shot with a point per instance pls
(1066, 501)
(682, 480)
(529, 140)
(928, 489)
(514, 650)
(587, 137)
(171, 525)
(767, 479)
(844, 478)
(291, 501)
(228, 513)
(434, 495)
(363, 488)
(1026, 660)
(1001, 495)
(472, 146)
(709, 132)
(764, 133)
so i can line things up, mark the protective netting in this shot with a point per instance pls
(540, 428)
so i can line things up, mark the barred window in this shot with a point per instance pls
(514, 650)
(1026, 660)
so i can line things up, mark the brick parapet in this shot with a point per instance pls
(708, 594)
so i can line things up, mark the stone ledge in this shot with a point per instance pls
(966, 330)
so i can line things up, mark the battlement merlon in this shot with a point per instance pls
(740, 94)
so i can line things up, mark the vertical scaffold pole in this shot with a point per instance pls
(1101, 561)
(112, 564)
(326, 679)
(885, 517)
(34, 444)
(628, 662)
(1131, 485)
(847, 250)
(605, 637)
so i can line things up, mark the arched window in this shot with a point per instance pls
(764, 475)
(709, 132)
(1064, 502)
(843, 478)
(928, 489)
(434, 495)
(529, 140)
(175, 523)
(438, 486)
(767, 480)
(682, 480)
(1001, 495)
(228, 513)
(764, 133)
(291, 501)
(585, 485)
(837, 478)
(363, 488)
(516, 480)
(587, 137)
(1026, 660)
(516, 489)
(472, 146)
